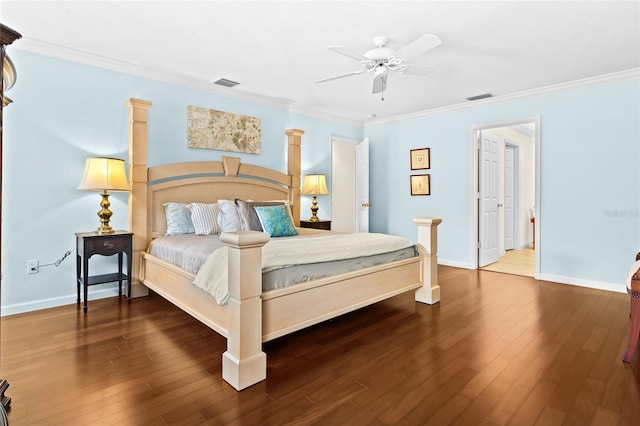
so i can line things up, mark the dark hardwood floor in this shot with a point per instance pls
(499, 349)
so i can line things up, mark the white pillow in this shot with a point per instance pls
(229, 219)
(205, 218)
(178, 219)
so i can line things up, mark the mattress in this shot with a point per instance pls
(190, 252)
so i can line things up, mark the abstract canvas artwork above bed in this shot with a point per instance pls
(223, 131)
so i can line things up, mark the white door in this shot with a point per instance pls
(489, 251)
(509, 195)
(349, 185)
(362, 186)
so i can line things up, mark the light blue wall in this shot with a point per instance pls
(590, 174)
(64, 112)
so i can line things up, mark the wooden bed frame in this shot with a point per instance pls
(252, 317)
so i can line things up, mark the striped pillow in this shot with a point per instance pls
(205, 218)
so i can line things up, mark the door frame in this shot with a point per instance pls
(474, 193)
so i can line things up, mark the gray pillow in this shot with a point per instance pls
(248, 216)
(229, 220)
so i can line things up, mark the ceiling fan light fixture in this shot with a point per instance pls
(380, 71)
(379, 53)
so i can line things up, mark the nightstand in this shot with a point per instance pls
(90, 243)
(320, 224)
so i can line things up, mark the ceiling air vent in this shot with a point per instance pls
(226, 83)
(478, 97)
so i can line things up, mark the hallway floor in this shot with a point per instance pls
(517, 262)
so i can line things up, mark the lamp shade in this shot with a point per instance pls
(314, 185)
(101, 173)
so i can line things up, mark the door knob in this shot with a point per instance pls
(500, 204)
(366, 205)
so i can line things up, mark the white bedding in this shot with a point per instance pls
(281, 253)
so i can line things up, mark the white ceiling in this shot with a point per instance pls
(276, 50)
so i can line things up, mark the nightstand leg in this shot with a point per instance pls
(120, 274)
(85, 281)
(129, 267)
(78, 277)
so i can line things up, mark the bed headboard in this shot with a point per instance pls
(208, 182)
(205, 181)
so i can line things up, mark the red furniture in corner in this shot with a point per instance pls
(633, 288)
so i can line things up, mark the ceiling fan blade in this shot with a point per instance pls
(342, 51)
(335, 77)
(379, 84)
(418, 47)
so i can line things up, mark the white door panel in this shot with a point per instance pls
(349, 185)
(489, 190)
(509, 192)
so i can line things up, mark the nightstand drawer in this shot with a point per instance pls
(104, 245)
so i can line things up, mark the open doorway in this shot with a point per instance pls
(506, 197)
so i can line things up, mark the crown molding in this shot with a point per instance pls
(325, 115)
(171, 77)
(556, 88)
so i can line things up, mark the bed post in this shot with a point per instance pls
(294, 141)
(244, 363)
(428, 246)
(138, 221)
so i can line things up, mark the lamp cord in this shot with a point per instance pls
(59, 261)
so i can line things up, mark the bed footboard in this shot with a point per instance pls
(254, 317)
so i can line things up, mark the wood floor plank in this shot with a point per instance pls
(498, 349)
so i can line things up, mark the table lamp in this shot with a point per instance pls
(314, 185)
(104, 174)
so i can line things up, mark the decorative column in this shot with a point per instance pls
(139, 221)
(244, 363)
(294, 142)
(7, 79)
(428, 248)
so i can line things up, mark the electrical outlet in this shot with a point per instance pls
(33, 267)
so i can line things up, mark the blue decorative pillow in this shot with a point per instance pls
(178, 219)
(276, 221)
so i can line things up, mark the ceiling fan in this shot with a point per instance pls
(382, 59)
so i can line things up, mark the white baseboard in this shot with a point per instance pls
(455, 264)
(618, 288)
(54, 302)
(579, 282)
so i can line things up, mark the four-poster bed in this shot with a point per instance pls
(253, 316)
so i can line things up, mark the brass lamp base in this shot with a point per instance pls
(314, 210)
(105, 215)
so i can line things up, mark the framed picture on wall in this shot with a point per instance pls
(420, 159)
(420, 185)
